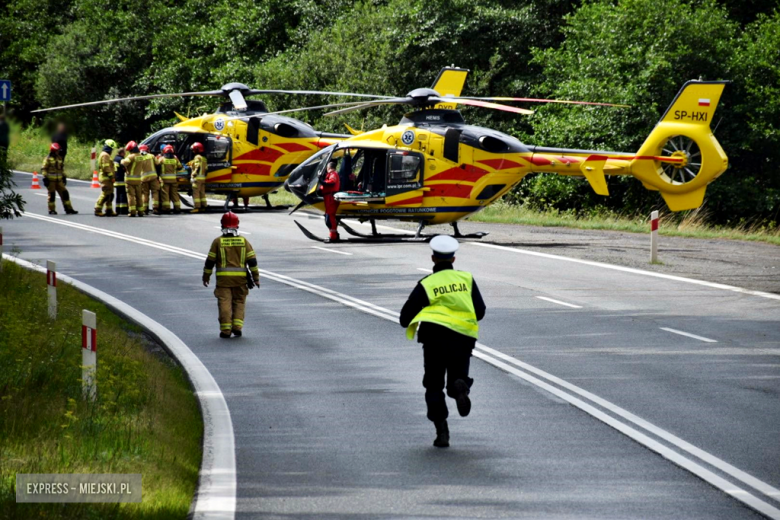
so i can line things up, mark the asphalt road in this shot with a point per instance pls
(584, 405)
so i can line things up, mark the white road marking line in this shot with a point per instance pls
(631, 270)
(482, 351)
(331, 250)
(688, 334)
(559, 302)
(42, 195)
(424, 270)
(240, 232)
(41, 176)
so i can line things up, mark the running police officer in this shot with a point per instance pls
(447, 306)
(232, 254)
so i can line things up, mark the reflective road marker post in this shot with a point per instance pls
(51, 281)
(1, 248)
(89, 354)
(654, 237)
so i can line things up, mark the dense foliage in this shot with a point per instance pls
(637, 52)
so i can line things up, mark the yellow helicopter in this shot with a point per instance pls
(250, 151)
(434, 168)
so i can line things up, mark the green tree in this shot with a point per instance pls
(11, 203)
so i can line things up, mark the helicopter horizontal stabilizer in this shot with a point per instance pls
(681, 155)
(593, 170)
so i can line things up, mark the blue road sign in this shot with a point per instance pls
(5, 90)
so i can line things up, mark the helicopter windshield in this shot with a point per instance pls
(304, 179)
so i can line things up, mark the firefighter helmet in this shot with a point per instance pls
(229, 220)
(131, 146)
(197, 147)
(143, 148)
(168, 149)
(54, 147)
(110, 143)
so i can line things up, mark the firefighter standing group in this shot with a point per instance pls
(137, 181)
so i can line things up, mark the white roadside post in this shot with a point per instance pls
(654, 237)
(89, 354)
(93, 160)
(1, 248)
(51, 281)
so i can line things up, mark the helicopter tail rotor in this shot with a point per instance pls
(683, 135)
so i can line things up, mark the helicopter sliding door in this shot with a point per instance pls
(404, 179)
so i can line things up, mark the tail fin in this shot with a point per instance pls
(681, 155)
(450, 82)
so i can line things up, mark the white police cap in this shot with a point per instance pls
(444, 246)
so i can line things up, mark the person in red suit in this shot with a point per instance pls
(331, 185)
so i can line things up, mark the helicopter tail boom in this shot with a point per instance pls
(681, 156)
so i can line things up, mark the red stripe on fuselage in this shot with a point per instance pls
(294, 147)
(501, 164)
(413, 200)
(467, 172)
(459, 191)
(264, 154)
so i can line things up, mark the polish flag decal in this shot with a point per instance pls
(704, 102)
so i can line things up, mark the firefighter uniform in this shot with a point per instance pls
(149, 183)
(199, 166)
(106, 170)
(231, 254)
(54, 180)
(169, 192)
(133, 166)
(444, 309)
(119, 184)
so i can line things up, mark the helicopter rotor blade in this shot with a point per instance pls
(254, 91)
(538, 100)
(371, 104)
(134, 98)
(239, 103)
(483, 104)
(302, 109)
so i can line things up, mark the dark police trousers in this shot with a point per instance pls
(450, 361)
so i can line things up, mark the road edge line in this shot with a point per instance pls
(215, 496)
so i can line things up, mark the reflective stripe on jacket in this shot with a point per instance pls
(52, 168)
(169, 167)
(132, 166)
(231, 255)
(106, 167)
(451, 304)
(199, 167)
(148, 173)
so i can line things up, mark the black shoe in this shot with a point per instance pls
(141, 214)
(237, 333)
(224, 335)
(71, 212)
(52, 212)
(442, 435)
(462, 397)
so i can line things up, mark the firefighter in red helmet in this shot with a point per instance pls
(133, 176)
(169, 191)
(199, 168)
(237, 272)
(54, 180)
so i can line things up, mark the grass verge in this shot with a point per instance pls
(146, 419)
(30, 146)
(692, 225)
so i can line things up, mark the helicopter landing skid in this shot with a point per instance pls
(363, 239)
(409, 237)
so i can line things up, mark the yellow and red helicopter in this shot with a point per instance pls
(434, 168)
(250, 151)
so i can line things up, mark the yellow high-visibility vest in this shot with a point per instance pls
(449, 293)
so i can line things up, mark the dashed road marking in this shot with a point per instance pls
(331, 250)
(559, 302)
(424, 270)
(688, 334)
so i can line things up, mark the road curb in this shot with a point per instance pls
(215, 496)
